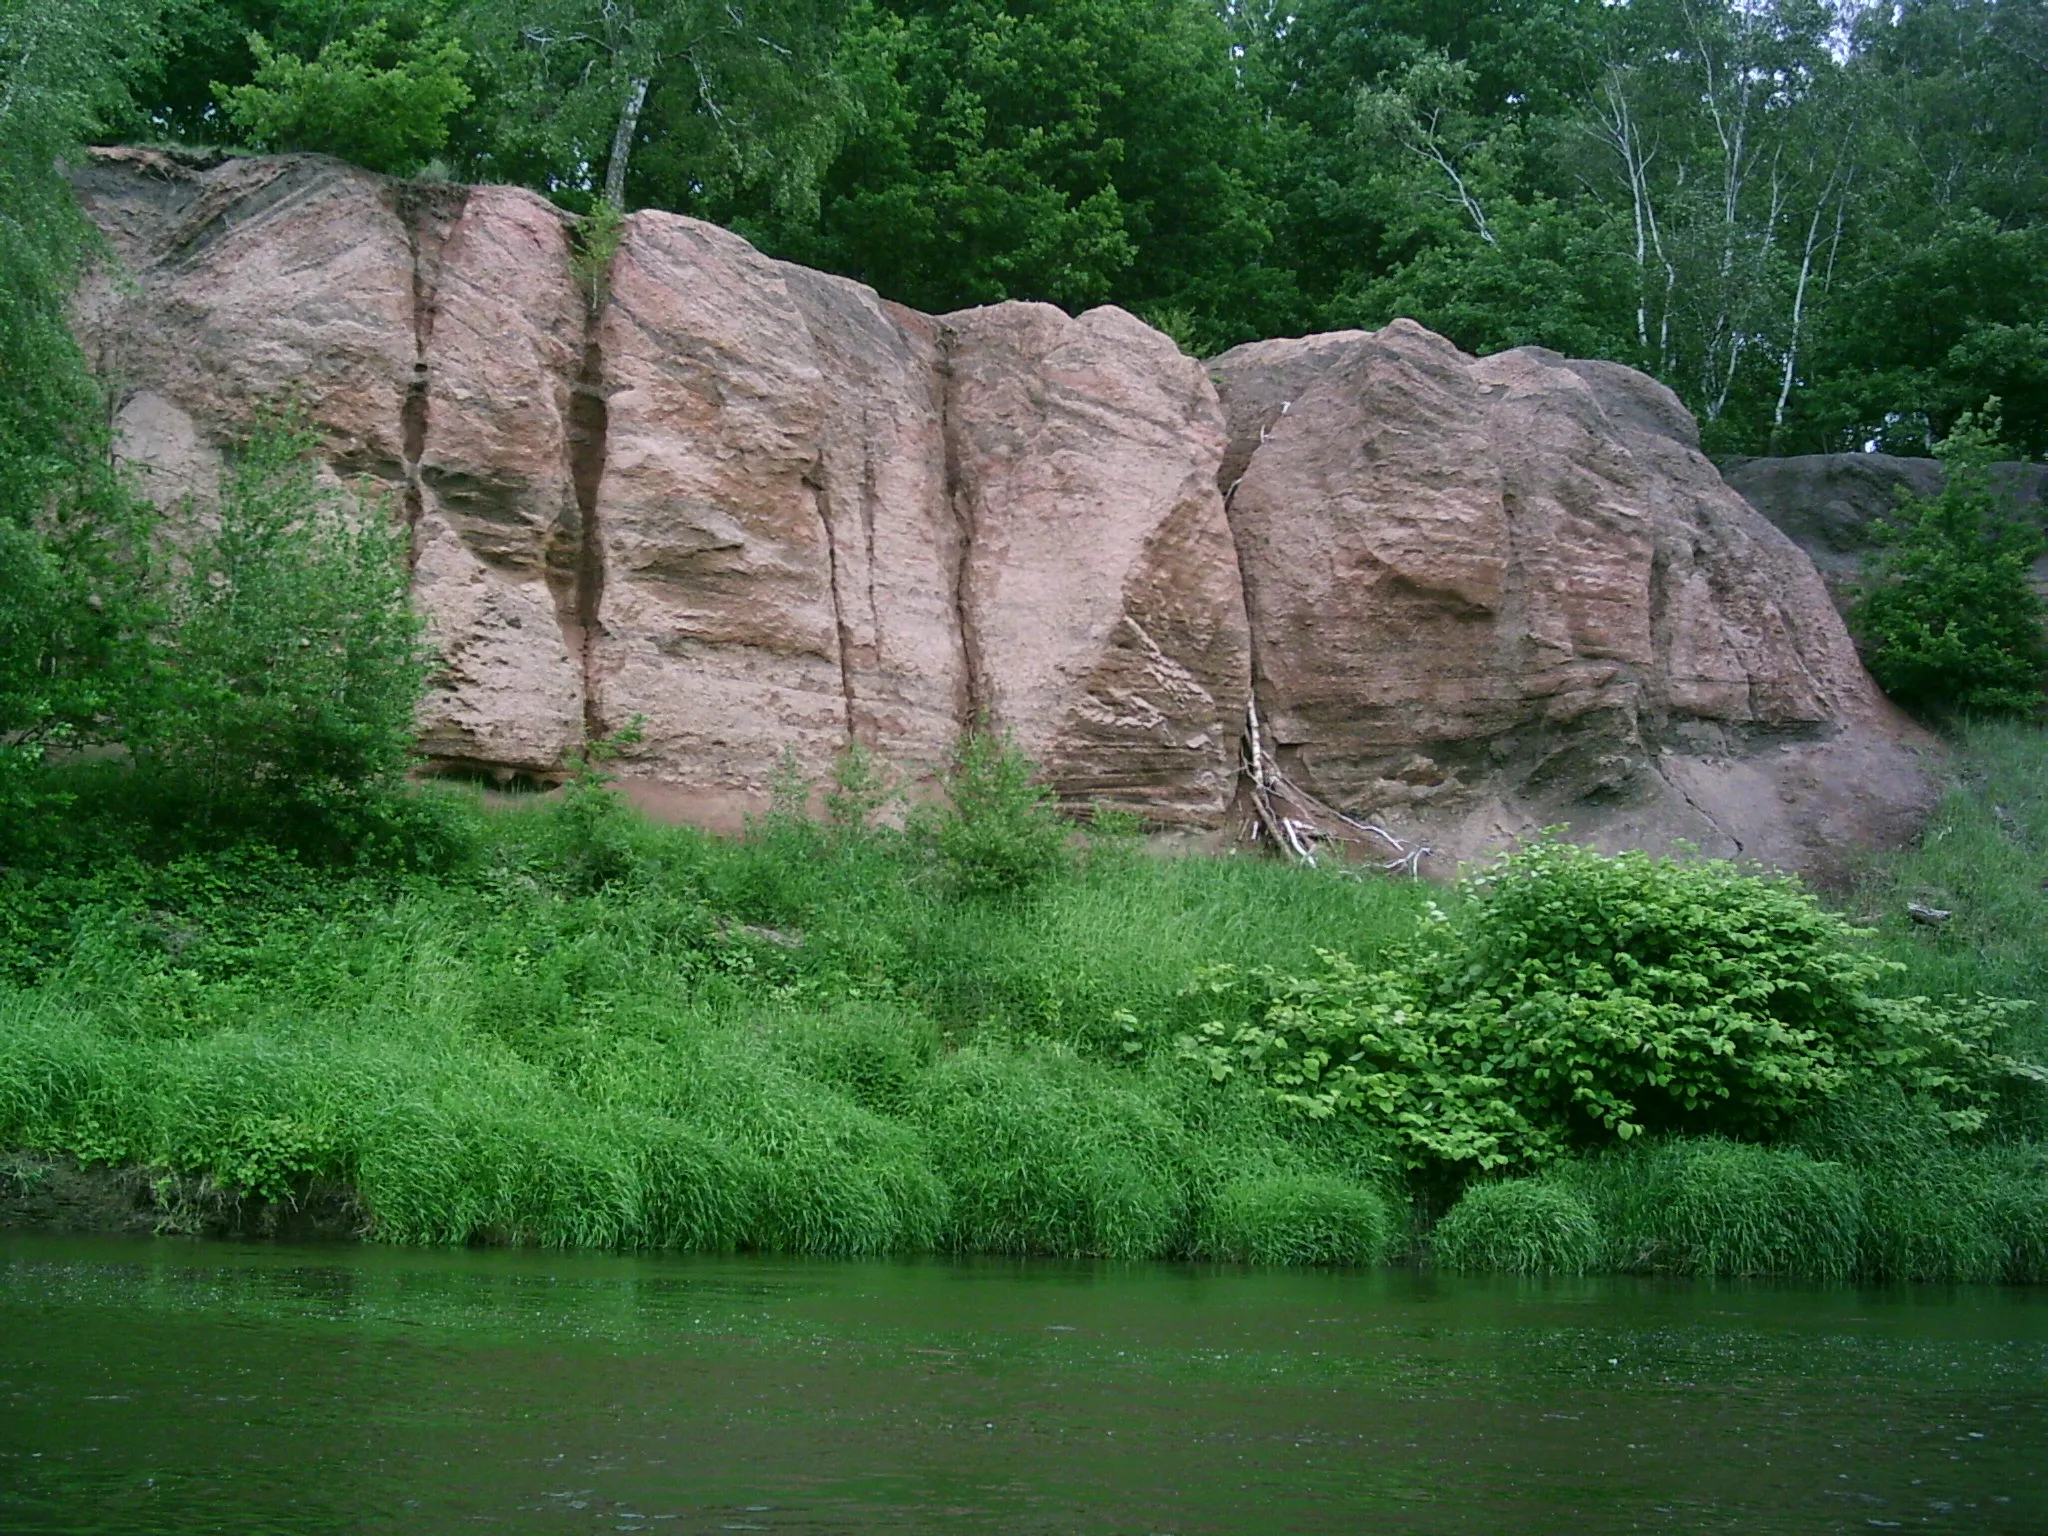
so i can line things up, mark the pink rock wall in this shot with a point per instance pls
(768, 513)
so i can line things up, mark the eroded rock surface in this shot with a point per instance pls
(772, 528)
(1099, 594)
(1487, 594)
(767, 513)
(751, 506)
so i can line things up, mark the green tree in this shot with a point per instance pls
(1949, 622)
(290, 661)
(1081, 153)
(379, 97)
(660, 103)
(69, 538)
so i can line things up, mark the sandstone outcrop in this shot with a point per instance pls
(1099, 595)
(1490, 594)
(767, 513)
(752, 506)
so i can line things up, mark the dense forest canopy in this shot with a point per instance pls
(1822, 223)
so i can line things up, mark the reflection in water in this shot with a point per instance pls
(168, 1386)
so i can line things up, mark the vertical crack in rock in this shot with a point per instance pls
(1257, 709)
(415, 206)
(588, 426)
(960, 498)
(842, 632)
(870, 496)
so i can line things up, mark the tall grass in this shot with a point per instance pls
(1707, 1206)
(1046, 1153)
(1521, 1227)
(1984, 858)
(589, 1030)
(790, 1042)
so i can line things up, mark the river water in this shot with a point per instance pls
(165, 1386)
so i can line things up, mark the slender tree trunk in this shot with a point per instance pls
(622, 144)
(1813, 244)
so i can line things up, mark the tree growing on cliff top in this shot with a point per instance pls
(381, 97)
(704, 94)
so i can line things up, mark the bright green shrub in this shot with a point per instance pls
(291, 663)
(1045, 1153)
(1948, 620)
(592, 841)
(1708, 1206)
(1294, 1218)
(1630, 993)
(1355, 1042)
(381, 100)
(999, 831)
(1581, 999)
(1522, 1227)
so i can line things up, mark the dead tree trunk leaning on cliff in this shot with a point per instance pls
(1296, 822)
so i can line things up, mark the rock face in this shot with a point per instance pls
(1827, 502)
(1489, 594)
(752, 506)
(772, 545)
(1099, 594)
(258, 283)
(766, 513)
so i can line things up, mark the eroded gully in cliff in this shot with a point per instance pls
(427, 215)
(974, 702)
(587, 440)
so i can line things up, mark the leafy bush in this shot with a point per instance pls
(1522, 1227)
(291, 662)
(1582, 999)
(380, 100)
(594, 830)
(1713, 1207)
(1354, 1042)
(999, 832)
(1295, 1218)
(1949, 621)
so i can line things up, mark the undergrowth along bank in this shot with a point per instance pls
(567, 1026)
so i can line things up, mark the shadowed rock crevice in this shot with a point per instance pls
(974, 700)
(835, 585)
(588, 443)
(427, 214)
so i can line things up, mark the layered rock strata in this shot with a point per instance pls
(1489, 594)
(766, 513)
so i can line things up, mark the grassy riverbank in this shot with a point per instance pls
(567, 1026)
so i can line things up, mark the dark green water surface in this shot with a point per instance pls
(171, 1387)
